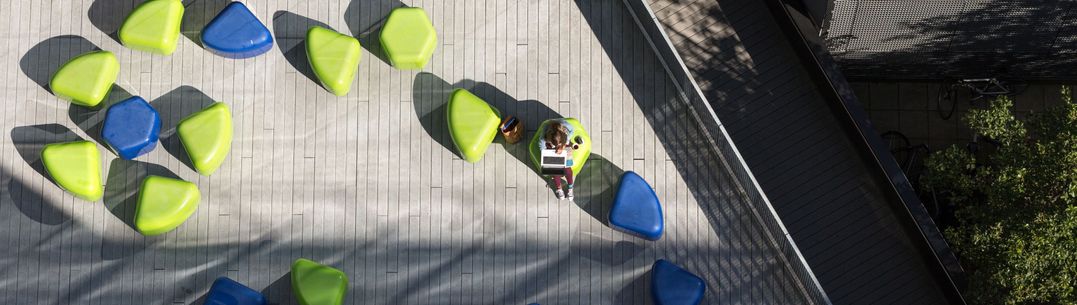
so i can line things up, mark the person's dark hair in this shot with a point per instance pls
(556, 134)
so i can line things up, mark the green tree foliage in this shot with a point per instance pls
(1016, 206)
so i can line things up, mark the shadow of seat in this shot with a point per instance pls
(430, 95)
(91, 120)
(365, 18)
(108, 15)
(46, 57)
(595, 187)
(174, 106)
(27, 195)
(196, 16)
(290, 32)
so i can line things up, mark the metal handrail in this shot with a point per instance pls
(693, 96)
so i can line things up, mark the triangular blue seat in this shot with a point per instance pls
(225, 291)
(237, 33)
(636, 209)
(672, 285)
(131, 128)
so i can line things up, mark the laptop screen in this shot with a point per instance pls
(553, 160)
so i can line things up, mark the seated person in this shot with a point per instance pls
(555, 138)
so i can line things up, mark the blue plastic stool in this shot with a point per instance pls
(671, 285)
(225, 291)
(131, 128)
(636, 209)
(237, 33)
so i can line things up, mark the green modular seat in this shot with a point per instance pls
(154, 26)
(164, 204)
(86, 79)
(408, 38)
(75, 167)
(472, 124)
(579, 156)
(207, 137)
(334, 57)
(317, 284)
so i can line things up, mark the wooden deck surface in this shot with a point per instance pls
(368, 182)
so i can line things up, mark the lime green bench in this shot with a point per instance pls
(579, 156)
(334, 57)
(75, 167)
(154, 26)
(408, 38)
(86, 79)
(207, 137)
(472, 124)
(164, 204)
(317, 284)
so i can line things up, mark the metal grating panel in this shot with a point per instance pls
(939, 39)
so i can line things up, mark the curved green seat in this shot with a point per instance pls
(86, 79)
(408, 38)
(75, 167)
(164, 204)
(334, 57)
(154, 26)
(207, 137)
(317, 284)
(472, 124)
(579, 156)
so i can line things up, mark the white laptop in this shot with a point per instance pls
(553, 163)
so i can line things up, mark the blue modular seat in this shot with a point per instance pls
(131, 128)
(671, 285)
(237, 33)
(225, 291)
(636, 209)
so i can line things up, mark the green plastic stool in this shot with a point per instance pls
(86, 79)
(472, 124)
(207, 137)
(154, 26)
(317, 284)
(164, 204)
(408, 38)
(579, 156)
(334, 57)
(75, 167)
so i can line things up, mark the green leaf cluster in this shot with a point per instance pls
(1016, 205)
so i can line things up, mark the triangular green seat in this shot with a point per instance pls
(75, 167)
(334, 57)
(472, 124)
(164, 204)
(86, 79)
(408, 38)
(207, 137)
(579, 156)
(154, 26)
(317, 284)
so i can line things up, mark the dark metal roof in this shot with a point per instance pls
(940, 39)
(844, 207)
